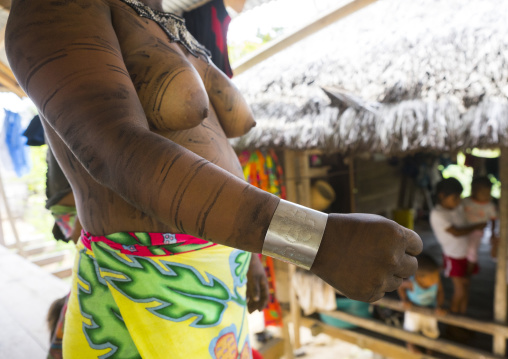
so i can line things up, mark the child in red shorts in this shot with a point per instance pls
(448, 222)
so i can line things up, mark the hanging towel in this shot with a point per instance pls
(313, 293)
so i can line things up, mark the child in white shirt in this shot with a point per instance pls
(449, 224)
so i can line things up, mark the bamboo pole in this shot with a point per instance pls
(457, 320)
(307, 30)
(499, 344)
(443, 346)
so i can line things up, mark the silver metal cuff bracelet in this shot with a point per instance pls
(294, 234)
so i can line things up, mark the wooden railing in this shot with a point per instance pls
(436, 345)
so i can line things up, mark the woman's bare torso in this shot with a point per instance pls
(186, 100)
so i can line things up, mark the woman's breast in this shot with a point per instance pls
(168, 86)
(176, 89)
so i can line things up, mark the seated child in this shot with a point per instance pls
(423, 290)
(479, 208)
(448, 222)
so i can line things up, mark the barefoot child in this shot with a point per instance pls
(423, 290)
(479, 208)
(448, 222)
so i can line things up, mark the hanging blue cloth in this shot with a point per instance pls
(16, 143)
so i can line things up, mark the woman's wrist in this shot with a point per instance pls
(295, 234)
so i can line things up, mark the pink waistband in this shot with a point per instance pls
(148, 244)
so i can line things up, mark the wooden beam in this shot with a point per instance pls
(9, 81)
(7, 78)
(62, 273)
(5, 4)
(309, 29)
(500, 297)
(318, 172)
(439, 345)
(384, 348)
(457, 320)
(49, 258)
(6, 69)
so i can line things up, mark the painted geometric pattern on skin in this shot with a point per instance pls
(182, 293)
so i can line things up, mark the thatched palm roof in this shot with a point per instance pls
(416, 75)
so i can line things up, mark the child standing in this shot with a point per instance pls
(448, 222)
(479, 208)
(423, 290)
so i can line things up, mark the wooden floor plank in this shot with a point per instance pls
(15, 341)
(26, 293)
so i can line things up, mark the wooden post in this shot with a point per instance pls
(499, 345)
(352, 186)
(294, 307)
(298, 191)
(288, 349)
(291, 177)
(303, 178)
(19, 245)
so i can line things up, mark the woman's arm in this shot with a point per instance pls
(67, 58)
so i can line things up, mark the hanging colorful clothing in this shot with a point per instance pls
(262, 169)
(132, 297)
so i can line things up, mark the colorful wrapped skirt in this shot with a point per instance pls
(154, 295)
